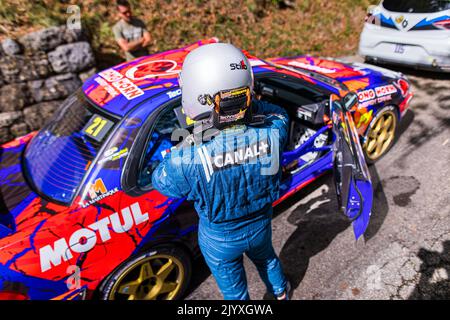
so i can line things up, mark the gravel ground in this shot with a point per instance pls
(406, 250)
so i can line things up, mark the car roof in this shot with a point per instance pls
(121, 88)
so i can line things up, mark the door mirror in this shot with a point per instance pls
(350, 100)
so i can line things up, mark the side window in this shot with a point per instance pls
(156, 146)
(287, 92)
(304, 103)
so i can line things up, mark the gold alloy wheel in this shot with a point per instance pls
(381, 135)
(158, 277)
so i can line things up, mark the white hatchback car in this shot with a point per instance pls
(409, 32)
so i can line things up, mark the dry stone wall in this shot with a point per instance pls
(37, 71)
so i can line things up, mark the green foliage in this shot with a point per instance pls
(264, 27)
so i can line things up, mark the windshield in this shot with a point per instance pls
(416, 6)
(58, 157)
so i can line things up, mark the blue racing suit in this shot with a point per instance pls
(233, 181)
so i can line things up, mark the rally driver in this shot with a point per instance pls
(234, 178)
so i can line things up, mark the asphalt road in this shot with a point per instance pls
(406, 250)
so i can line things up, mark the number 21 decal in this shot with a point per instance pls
(97, 127)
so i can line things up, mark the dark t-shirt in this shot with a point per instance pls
(130, 31)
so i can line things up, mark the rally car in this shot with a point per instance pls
(408, 32)
(79, 217)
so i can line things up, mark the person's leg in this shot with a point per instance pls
(225, 260)
(263, 255)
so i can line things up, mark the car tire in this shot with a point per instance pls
(161, 273)
(381, 134)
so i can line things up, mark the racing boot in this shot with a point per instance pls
(286, 294)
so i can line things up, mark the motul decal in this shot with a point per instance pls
(85, 239)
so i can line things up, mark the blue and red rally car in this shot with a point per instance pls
(79, 217)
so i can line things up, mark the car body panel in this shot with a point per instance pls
(407, 38)
(44, 244)
(131, 83)
(377, 87)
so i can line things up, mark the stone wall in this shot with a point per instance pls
(37, 71)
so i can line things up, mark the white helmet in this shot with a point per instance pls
(216, 77)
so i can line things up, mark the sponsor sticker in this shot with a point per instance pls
(374, 101)
(85, 239)
(127, 88)
(385, 98)
(364, 119)
(399, 19)
(111, 75)
(311, 67)
(124, 85)
(173, 94)
(366, 95)
(373, 96)
(233, 117)
(112, 92)
(114, 154)
(97, 191)
(385, 90)
(238, 66)
(153, 69)
(97, 127)
(233, 93)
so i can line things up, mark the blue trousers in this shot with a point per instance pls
(223, 250)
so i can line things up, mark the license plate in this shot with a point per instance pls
(399, 48)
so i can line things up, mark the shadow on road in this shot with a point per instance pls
(434, 280)
(318, 222)
(380, 206)
(406, 121)
(200, 272)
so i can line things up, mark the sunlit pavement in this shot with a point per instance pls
(406, 250)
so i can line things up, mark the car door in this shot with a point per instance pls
(352, 178)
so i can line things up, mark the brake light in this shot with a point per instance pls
(9, 295)
(443, 24)
(403, 85)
